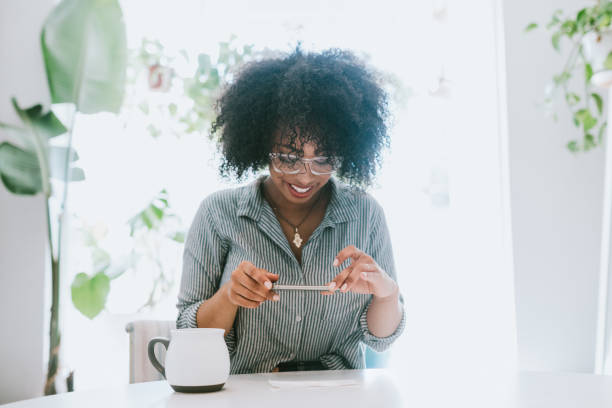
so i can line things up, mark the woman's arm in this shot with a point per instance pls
(384, 314)
(364, 275)
(217, 311)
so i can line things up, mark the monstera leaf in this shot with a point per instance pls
(85, 53)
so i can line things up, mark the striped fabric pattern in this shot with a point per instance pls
(236, 225)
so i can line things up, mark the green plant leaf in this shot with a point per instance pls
(608, 62)
(154, 131)
(589, 142)
(531, 26)
(573, 146)
(19, 170)
(603, 21)
(554, 20)
(569, 28)
(179, 237)
(144, 107)
(101, 259)
(57, 160)
(172, 108)
(602, 132)
(556, 37)
(89, 294)
(158, 212)
(204, 63)
(571, 98)
(581, 18)
(598, 102)
(147, 219)
(17, 133)
(39, 128)
(85, 52)
(561, 78)
(588, 72)
(45, 124)
(588, 121)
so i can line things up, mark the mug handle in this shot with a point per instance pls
(152, 357)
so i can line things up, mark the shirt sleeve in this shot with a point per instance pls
(381, 251)
(203, 259)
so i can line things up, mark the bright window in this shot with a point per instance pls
(442, 185)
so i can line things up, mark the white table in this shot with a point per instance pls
(376, 388)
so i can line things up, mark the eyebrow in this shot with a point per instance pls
(318, 153)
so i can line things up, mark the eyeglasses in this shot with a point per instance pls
(292, 164)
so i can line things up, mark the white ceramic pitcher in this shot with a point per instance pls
(197, 360)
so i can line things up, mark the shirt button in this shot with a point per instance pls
(298, 318)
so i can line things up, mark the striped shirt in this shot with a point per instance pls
(236, 225)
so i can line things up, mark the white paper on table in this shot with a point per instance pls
(311, 383)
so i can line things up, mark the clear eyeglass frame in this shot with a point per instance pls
(312, 164)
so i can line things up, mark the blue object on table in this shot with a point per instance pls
(375, 359)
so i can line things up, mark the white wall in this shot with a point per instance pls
(556, 204)
(22, 219)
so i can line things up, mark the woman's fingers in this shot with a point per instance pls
(250, 285)
(243, 302)
(340, 279)
(356, 275)
(249, 294)
(348, 252)
(258, 275)
(254, 282)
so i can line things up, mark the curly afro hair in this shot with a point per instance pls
(330, 98)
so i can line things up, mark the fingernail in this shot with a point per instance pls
(276, 298)
(343, 288)
(332, 285)
(336, 262)
(268, 284)
(364, 275)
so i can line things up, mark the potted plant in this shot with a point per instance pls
(84, 52)
(588, 65)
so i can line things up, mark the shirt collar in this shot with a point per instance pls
(341, 208)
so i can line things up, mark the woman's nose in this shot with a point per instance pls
(306, 176)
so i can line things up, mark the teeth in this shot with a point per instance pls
(300, 190)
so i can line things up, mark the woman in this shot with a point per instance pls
(304, 117)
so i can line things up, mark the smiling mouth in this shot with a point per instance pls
(300, 189)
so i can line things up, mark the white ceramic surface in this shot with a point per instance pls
(197, 357)
(375, 388)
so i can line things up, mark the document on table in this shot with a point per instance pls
(287, 383)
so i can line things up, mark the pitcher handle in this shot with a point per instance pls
(158, 366)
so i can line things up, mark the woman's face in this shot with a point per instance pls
(307, 183)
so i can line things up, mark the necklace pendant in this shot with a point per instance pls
(297, 239)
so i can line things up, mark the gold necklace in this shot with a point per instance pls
(297, 238)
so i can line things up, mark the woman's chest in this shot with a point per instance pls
(270, 249)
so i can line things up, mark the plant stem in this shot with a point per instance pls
(54, 333)
(65, 192)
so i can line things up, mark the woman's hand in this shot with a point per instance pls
(363, 275)
(250, 286)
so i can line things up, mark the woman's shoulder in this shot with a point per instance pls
(362, 200)
(223, 203)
